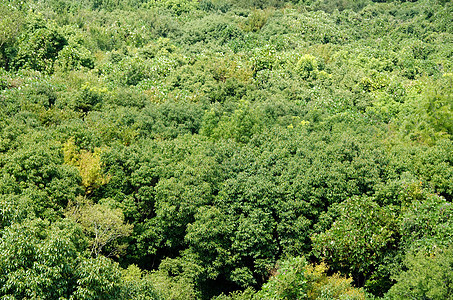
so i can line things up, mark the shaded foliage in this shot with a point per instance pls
(173, 149)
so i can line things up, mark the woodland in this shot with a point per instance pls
(226, 149)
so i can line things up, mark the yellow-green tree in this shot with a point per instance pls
(88, 163)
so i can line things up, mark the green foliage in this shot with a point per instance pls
(38, 260)
(201, 142)
(35, 172)
(248, 294)
(323, 286)
(359, 240)
(170, 119)
(307, 67)
(104, 225)
(264, 59)
(214, 5)
(15, 208)
(332, 5)
(289, 283)
(75, 56)
(138, 284)
(427, 276)
(88, 163)
(176, 279)
(425, 220)
(295, 279)
(256, 20)
(429, 115)
(10, 27)
(260, 4)
(176, 6)
(98, 278)
(211, 28)
(38, 46)
(241, 125)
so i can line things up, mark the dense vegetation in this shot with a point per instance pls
(226, 149)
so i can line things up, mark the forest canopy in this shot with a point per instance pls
(236, 149)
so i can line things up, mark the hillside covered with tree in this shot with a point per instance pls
(226, 149)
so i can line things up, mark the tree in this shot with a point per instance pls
(103, 224)
(38, 46)
(88, 163)
(294, 278)
(359, 240)
(290, 281)
(35, 171)
(98, 278)
(38, 260)
(138, 284)
(307, 67)
(11, 21)
(176, 279)
(426, 219)
(427, 275)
